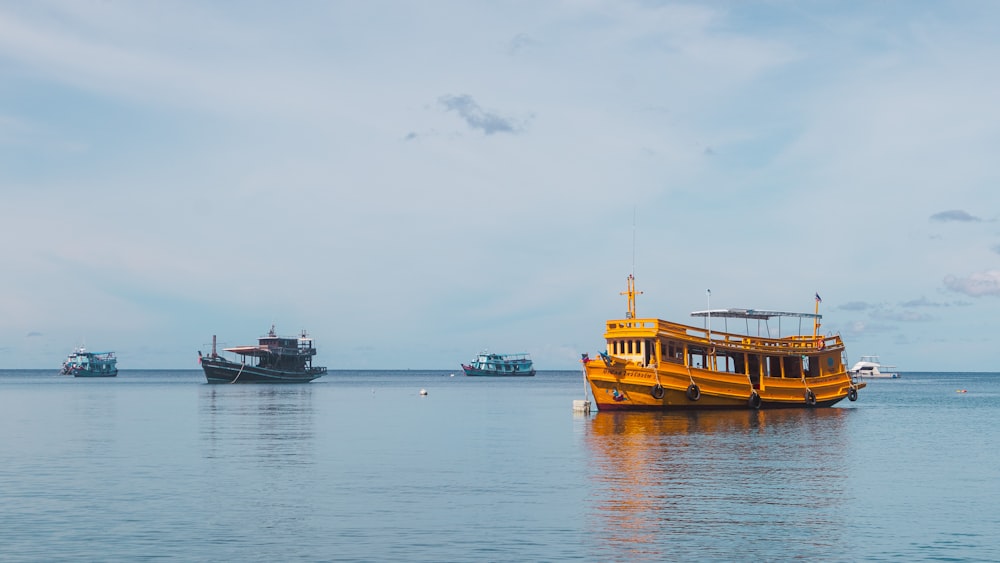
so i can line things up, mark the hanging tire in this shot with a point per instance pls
(693, 392)
(657, 392)
(810, 398)
(754, 400)
(852, 394)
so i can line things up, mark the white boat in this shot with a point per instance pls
(869, 366)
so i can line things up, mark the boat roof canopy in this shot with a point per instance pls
(248, 350)
(752, 314)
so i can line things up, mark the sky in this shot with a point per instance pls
(415, 182)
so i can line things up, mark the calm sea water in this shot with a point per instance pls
(360, 466)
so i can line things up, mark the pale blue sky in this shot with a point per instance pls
(414, 182)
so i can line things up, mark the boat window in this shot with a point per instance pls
(729, 361)
(772, 366)
(675, 351)
(739, 363)
(807, 367)
(793, 367)
(697, 357)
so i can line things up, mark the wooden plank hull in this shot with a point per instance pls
(632, 387)
(218, 370)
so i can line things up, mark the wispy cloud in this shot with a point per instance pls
(976, 285)
(924, 302)
(860, 327)
(901, 316)
(520, 43)
(478, 118)
(854, 306)
(955, 215)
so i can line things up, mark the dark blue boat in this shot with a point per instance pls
(274, 359)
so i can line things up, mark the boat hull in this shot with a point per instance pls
(220, 370)
(90, 373)
(624, 387)
(471, 371)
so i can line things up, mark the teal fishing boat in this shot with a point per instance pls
(82, 363)
(500, 365)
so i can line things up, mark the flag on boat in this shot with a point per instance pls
(818, 299)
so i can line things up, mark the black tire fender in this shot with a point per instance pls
(657, 391)
(693, 392)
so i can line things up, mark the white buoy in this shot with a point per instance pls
(581, 406)
(423, 392)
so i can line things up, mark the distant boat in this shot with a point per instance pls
(500, 365)
(274, 359)
(654, 364)
(82, 363)
(870, 367)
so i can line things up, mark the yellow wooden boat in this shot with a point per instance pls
(653, 364)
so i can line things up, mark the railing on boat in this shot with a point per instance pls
(643, 327)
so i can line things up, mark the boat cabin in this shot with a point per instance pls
(655, 342)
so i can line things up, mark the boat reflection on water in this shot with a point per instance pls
(273, 423)
(663, 485)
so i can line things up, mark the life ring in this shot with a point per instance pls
(852, 394)
(754, 400)
(820, 344)
(810, 398)
(693, 392)
(657, 391)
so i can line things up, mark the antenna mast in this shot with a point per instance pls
(630, 291)
(633, 239)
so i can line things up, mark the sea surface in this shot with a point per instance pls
(359, 466)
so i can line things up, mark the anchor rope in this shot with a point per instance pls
(240, 372)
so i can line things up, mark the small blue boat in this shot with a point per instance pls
(500, 365)
(82, 363)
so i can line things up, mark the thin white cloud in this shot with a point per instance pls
(981, 284)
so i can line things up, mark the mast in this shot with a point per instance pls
(631, 293)
(708, 318)
(816, 324)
